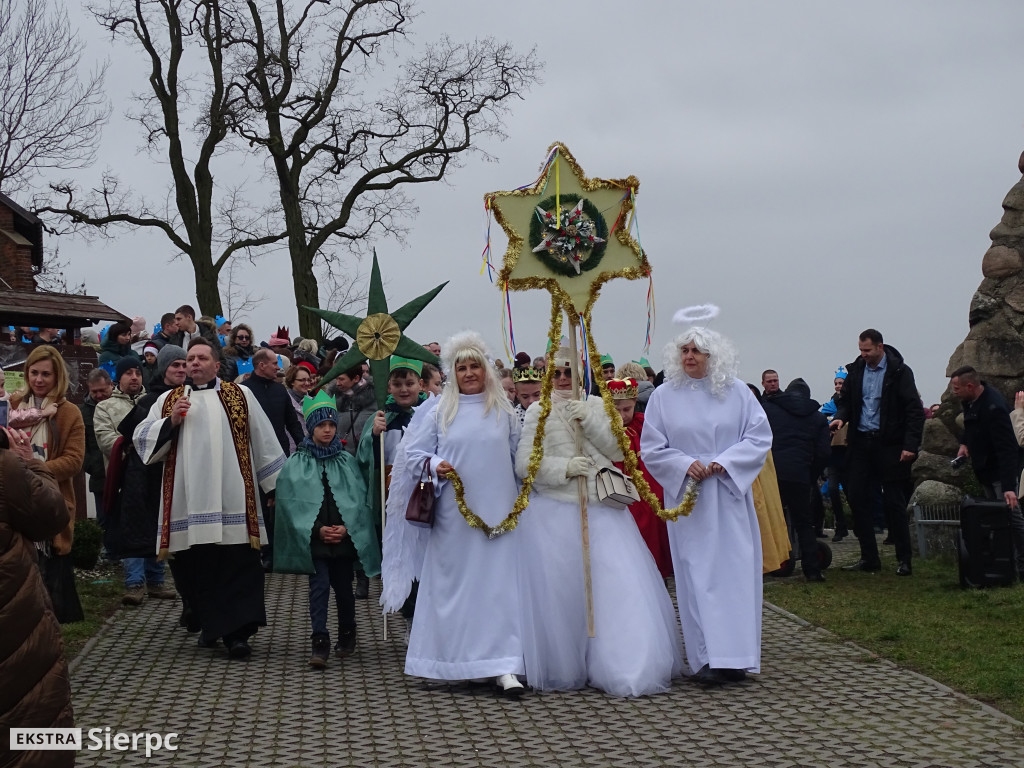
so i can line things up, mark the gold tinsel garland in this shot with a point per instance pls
(536, 453)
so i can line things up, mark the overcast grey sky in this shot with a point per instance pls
(813, 168)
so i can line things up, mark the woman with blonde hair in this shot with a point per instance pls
(467, 610)
(58, 440)
(635, 649)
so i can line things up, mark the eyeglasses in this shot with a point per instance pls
(559, 374)
(241, 337)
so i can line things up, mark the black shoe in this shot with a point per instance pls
(708, 677)
(840, 535)
(321, 649)
(206, 642)
(904, 569)
(864, 565)
(732, 675)
(814, 576)
(362, 590)
(239, 649)
(346, 644)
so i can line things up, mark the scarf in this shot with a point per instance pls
(43, 432)
(328, 451)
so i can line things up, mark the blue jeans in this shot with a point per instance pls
(331, 572)
(142, 570)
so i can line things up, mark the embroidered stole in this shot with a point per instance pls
(235, 407)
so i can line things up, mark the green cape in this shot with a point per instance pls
(300, 494)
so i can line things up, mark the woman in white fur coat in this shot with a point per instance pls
(635, 650)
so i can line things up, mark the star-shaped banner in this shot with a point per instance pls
(379, 335)
(568, 233)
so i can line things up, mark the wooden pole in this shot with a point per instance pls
(383, 511)
(588, 586)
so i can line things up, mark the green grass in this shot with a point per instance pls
(100, 591)
(970, 640)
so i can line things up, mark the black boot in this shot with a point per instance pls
(346, 644)
(362, 590)
(321, 649)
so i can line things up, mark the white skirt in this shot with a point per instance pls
(636, 649)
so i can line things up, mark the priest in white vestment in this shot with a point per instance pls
(467, 609)
(217, 445)
(704, 424)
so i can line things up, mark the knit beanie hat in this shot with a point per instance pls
(318, 409)
(167, 355)
(124, 365)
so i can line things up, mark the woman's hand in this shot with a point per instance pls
(578, 466)
(444, 468)
(21, 442)
(698, 471)
(715, 468)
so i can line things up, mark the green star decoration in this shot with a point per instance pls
(379, 335)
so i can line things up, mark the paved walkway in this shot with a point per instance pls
(819, 702)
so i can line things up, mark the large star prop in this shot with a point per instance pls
(561, 222)
(379, 335)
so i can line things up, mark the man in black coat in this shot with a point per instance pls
(800, 450)
(879, 401)
(277, 404)
(991, 444)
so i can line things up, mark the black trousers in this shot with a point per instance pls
(796, 498)
(871, 466)
(223, 585)
(837, 478)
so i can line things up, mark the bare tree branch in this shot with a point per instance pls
(185, 116)
(339, 158)
(50, 117)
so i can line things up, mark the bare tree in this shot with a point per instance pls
(52, 276)
(341, 290)
(185, 115)
(339, 158)
(238, 302)
(50, 117)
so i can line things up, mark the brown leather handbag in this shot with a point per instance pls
(420, 511)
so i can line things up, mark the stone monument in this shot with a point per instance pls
(994, 346)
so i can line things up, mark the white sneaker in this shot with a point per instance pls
(510, 686)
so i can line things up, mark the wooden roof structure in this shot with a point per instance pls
(54, 310)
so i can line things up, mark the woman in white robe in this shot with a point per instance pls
(703, 423)
(467, 610)
(635, 650)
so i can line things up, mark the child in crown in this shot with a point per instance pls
(324, 526)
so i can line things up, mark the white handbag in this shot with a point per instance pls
(616, 488)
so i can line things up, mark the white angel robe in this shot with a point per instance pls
(467, 608)
(404, 545)
(716, 551)
(208, 502)
(635, 650)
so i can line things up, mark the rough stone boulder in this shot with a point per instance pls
(994, 344)
(933, 493)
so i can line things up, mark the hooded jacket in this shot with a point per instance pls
(111, 352)
(901, 418)
(800, 437)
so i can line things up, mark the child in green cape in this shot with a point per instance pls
(324, 526)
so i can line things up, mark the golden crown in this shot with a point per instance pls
(526, 374)
(623, 389)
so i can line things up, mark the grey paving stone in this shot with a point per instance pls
(818, 702)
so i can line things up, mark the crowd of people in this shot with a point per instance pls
(228, 457)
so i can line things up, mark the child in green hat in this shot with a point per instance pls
(324, 526)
